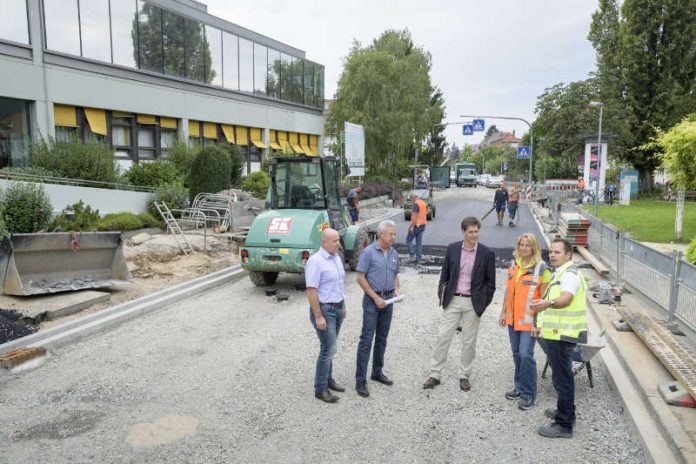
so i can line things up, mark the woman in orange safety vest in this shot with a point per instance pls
(527, 278)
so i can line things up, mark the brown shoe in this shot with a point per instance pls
(431, 382)
(326, 396)
(464, 385)
(335, 387)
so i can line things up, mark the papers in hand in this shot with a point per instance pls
(396, 299)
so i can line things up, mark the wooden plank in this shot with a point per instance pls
(20, 355)
(589, 257)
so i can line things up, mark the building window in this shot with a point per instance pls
(174, 44)
(260, 68)
(285, 78)
(273, 74)
(62, 26)
(122, 33)
(150, 49)
(121, 135)
(195, 51)
(213, 39)
(167, 140)
(246, 65)
(14, 131)
(230, 61)
(297, 75)
(309, 84)
(13, 21)
(146, 143)
(94, 29)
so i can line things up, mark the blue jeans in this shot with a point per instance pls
(522, 344)
(512, 210)
(376, 324)
(333, 314)
(353, 214)
(418, 235)
(560, 356)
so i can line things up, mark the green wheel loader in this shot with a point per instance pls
(304, 200)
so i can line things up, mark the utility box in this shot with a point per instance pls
(630, 176)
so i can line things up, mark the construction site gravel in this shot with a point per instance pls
(227, 377)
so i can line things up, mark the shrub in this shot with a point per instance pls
(84, 218)
(75, 159)
(126, 221)
(25, 208)
(691, 252)
(152, 174)
(173, 194)
(210, 172)
(29, 171)
(236, 165)
(182, 157)
(257, 183)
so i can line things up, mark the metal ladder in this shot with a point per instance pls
(173, 227)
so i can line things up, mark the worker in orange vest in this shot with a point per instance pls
(581, 190)
(527, 278)
(419, 218)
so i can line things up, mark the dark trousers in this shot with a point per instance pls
(376, 324)
(417, 234)
(333, 314)
(561, 362)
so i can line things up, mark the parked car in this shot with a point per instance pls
(493, 181)
(482, 179)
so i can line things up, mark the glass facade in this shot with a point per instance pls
(13, 21)
(14, 131)
(138, 34)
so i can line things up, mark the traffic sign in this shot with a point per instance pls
(505, 166)
(479, 125)
(523, 153)
(468, 129)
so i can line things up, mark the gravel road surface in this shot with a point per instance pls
(227, 377)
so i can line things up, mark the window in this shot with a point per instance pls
(167, 139)
(230, 61)
(146, 142)
(123, 37)
(13, 21)
(149, 37)
(213, 38)
(195, 51)
(285, 77)
(309, 83)
(318, 85)
(62, 26)
(173, 43)
(246, 65)
(273, 76)
(94, 27)
(297, 75)
(14, 131)
(121, 130)
(260, 68)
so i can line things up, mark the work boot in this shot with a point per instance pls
(361, 388)
(325, 396)
(525, 404)
(513, 395)
(335, 387)
(551, 414)
(554, 430)
(431, 383)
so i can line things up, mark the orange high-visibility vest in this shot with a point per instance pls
(519, 294)
(421, 217)
(581, 184)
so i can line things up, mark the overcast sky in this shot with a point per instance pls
(489, 57)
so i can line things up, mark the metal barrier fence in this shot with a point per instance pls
(667, 280)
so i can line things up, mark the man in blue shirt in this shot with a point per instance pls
(325, 282)
(353, 199)
(378, 276)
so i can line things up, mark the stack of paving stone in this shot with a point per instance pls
(573, 227)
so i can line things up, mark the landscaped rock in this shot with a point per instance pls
(140, 238)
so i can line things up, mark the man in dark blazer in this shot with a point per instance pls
(467, 285)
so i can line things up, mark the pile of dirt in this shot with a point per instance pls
(13, 327)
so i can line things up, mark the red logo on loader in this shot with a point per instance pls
(279, 226)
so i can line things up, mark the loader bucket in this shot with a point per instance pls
(34, 264)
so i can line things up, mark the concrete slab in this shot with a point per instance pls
(39, 308)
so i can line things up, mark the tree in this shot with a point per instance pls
(434, 152)
(386, 88)
(492, 129)
(678, 156)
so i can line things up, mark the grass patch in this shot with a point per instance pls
(650, 221)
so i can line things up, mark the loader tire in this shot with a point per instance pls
(262, 278)
(407, 214)
(362, 240)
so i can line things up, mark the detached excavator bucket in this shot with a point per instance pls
(34, 264)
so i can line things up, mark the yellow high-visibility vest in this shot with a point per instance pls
(567, 324)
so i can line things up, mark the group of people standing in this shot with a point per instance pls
(539, 306)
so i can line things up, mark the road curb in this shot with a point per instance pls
(112, 317)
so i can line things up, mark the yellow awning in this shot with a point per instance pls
(242, 135)
(209, 130)
(194, 128)
(228, 131)
(256, 137)
(97, 120)
(167, 123)
(65, 116)
(294, 143)
(304, 143)
(283, 141)
(313, 148)
(146, 119)
(272, 140)
(121, 114)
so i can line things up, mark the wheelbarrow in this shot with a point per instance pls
(583, 354)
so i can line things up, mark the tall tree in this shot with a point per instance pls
(386, 88)
(492, 129)
(434, 152)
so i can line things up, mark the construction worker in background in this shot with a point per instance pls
(353, 199)
(419, 218)
(581, 190)
(561, 323)
(499, 201)
(513, 201)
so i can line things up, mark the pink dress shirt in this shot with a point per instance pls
(466, 266)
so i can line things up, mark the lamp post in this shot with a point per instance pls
(596, 104)
(531, 133)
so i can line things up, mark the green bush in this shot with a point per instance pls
(691, 252)
(182, 157)
(29, 171)
(210, 172)
(84, 218)
(173, 194)
(75, 159)
(25, 208)
(257, 183)
(126, 221)
(152, 174)
(237, 163)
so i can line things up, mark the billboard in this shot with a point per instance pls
(354, 140)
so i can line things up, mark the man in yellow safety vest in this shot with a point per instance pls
(561, 323)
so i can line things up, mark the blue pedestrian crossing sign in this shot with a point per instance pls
(479, 125)
(523, 153)
(468, 129)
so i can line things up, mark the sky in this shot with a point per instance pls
(489, 57)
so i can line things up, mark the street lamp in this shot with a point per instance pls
(531, 133)
(596, 104)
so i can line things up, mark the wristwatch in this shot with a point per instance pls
(553, 304)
